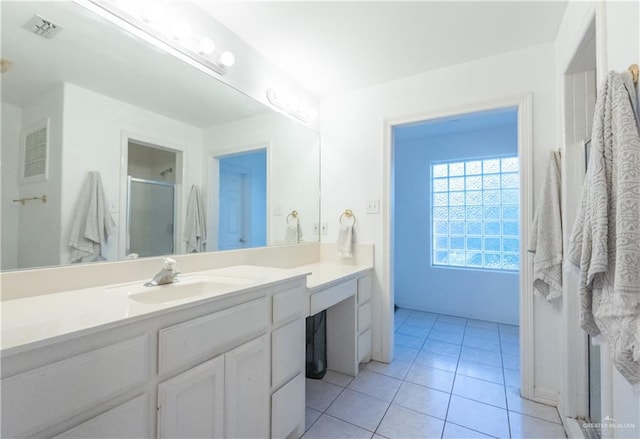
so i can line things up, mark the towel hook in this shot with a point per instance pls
(349, 214)
(635, 72)
(22, 201)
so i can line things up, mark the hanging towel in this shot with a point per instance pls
(605, 242)
(195, 227)
(293, 235)
(345, 241)
(545, 241)
(92, 224)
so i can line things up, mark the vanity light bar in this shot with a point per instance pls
(176, 39)
(291, 105)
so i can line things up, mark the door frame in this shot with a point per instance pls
(523, 103)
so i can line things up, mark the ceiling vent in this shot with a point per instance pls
(42, 27)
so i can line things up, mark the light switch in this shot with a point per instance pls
(372, 206)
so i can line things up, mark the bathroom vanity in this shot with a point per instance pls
(218, 354)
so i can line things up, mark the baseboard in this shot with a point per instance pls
(545, 396)
(572, 428)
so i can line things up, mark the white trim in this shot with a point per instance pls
(525, 153)
(572, 428)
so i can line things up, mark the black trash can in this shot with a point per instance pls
(317, 345)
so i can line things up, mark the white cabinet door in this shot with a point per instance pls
(192, 403)
(247, 390)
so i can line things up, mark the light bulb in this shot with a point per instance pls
(181, 30)
(227, 59)
(206, 46)
(152, 13)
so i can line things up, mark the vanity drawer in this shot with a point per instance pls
(328, 297)
(184, 343)
(287, 409)
(364, 317)
(287, 352)
(288, 304)
(35, 400)
(364, 346)
(364, 289)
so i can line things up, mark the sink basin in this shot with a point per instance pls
(187, 289)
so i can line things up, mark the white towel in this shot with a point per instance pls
(605, 242)
(293, 235)
(92, 224)
(195, 227)
(545, 241)
(345, 241)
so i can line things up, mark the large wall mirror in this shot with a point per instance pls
(175, 150)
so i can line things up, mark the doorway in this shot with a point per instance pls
(242, 200)
(456, 216)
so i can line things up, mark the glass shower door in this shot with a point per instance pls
(150, 217)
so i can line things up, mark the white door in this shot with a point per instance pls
(247, 398)
(233, 230)
(192, 403)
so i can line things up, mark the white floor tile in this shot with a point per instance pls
(481, 343)
(531, 408)
(482, 324)
(488, 334)
(525, 427)
(479, 390)
(440, 347)
(416, 331)
(475, 355)
(512, 378)
(422, 399)
(477, 416)
(511, 361)
(453, 431)
(448, 337)
(376, 385)
(481, 371)
(396, 369)
(449, 327)
(424, 315)
(358, 409)
(438, 361)
(510, 348)
(403, 353)
(337, 378)
(329, 427)
(508, 329)
(409, 341)
(310, 416)
(419, 322)
(509, 338)
(320, 394)
(430, 377)
(401, 423)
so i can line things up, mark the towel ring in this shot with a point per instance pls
(349, 214)
(293, 214)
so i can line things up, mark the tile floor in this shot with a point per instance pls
(451, 378)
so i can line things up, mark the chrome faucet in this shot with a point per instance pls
(167, 275)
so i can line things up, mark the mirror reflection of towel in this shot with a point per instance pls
(92, 224)
(294, 233)
(195, 227)
(345, 241)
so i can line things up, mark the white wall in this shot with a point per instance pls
(93, 135)
(353, 130)
(618, 46)
(10, 131)
(475, 293)
(293, 176)
(36, 239)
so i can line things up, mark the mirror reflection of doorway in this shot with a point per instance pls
(243, 200)
(151, 200)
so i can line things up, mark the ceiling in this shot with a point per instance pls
(333, 47)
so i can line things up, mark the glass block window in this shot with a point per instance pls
(475, 213)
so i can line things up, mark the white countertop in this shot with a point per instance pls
(38, 318)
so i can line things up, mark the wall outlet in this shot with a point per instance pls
(316, 228)
(277, 210)
(372, 206)
(324, 228)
